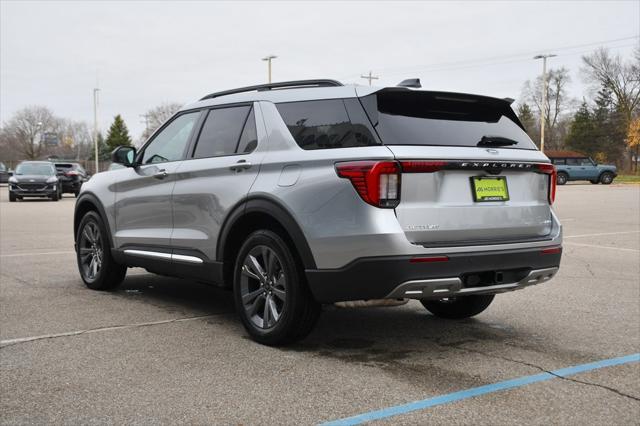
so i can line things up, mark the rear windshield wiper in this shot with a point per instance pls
(496, 141)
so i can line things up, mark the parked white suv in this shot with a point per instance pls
(303, 193)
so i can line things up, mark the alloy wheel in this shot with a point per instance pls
(263, 287)
(91, 251)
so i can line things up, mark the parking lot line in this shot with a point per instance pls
(37, 254)
(8, 342)
(482, 390)
(601, 247)
(601, 234)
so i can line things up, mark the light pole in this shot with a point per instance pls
(95, 125)
(268, 59)
(543, 109)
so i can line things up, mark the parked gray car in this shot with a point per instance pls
(306, 193)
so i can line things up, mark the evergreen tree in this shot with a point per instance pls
(581, 132)
(608, 127)
(118, 134)
(528, 120)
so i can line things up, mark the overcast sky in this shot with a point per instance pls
(145, 53)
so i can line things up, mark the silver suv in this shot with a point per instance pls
(305, 193)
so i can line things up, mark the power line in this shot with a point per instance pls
(489, 61)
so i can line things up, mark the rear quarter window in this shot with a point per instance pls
(328, 124)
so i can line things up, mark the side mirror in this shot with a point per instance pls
(124, 155)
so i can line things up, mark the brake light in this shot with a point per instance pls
(72, 173)
(549, 169)
(377, 182)
(422, 166)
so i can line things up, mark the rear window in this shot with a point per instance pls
(403, 117)
(331, 123)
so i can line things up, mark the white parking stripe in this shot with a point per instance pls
(604, 233)
(100, 329)
(37, 254)
(602, 247)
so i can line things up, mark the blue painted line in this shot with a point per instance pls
(481, 390)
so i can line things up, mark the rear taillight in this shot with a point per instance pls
(72, 173)
(549, 169)
(377, 182)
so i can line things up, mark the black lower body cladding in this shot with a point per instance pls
(376, 277)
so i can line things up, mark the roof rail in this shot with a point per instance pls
(281, 85)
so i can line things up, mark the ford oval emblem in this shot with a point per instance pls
(492, 151)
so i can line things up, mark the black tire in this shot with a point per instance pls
(606, 178)
(55, 196)
(562, 178)
(595, 182)
(12, 197)
(109, 273)
(282, 285)
(458, 307)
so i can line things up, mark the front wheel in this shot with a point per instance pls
(562, 178)
(458, 307)
(97, 268)
(606, 178)
(271, 296)
(12, 197)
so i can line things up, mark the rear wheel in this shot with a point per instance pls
(562, 178)
(97, 268)
(606, 178)
(271, 295)
(458, 307)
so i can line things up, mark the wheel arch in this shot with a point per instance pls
(85, 203)
(260, 212)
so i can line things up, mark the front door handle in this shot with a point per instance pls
(161, 174)
(240, 166)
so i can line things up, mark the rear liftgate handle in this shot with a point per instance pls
(240, 166)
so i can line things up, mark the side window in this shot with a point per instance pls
(559, 161)
(573, 162)
(249, 138)
(221, 132)
(327, 124)
(170, 143)
(586, 162)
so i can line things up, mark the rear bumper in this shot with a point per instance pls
(462, 274)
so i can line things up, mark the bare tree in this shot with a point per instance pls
(155, 117)
(558, 103)
(25, 129)
(604, 70)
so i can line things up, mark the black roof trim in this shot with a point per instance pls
(280, 85)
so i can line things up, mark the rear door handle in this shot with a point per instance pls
(161, 174)
(240, 165)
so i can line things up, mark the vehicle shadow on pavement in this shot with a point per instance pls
(370, 336)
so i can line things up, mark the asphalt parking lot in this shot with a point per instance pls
(163, 350)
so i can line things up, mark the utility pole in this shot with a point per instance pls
(268, 59)
(95, 125)
(369, 77)
(543, 108)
